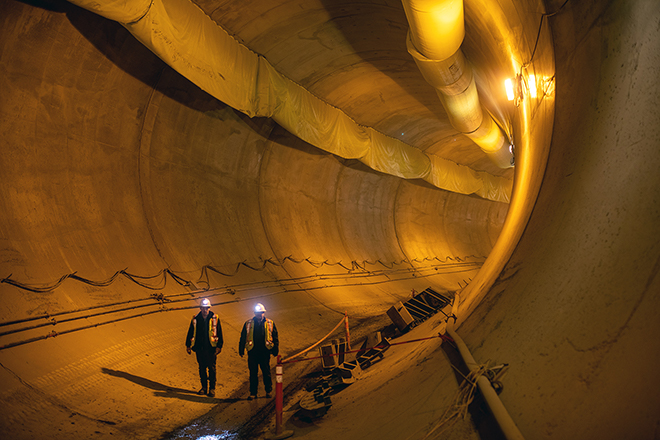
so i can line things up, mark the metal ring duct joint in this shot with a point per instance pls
(434, 40)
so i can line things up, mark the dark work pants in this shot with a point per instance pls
(206, 361)
(256, 361)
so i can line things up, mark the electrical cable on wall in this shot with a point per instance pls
(166, 303)
(203, 278)
(521, 80)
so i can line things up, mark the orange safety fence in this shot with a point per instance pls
(290, 360)
(344, 321)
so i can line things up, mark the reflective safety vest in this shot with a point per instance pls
(213, 331)
(268, 329)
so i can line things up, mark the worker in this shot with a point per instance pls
(205, 339)
(259, 337)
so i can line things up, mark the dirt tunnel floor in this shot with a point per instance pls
(402, 396)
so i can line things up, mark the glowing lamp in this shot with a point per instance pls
(508, 85)
(531, 82)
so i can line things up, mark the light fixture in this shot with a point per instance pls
(523, 84)
(508, 85)
(514, 89)
(531, 84)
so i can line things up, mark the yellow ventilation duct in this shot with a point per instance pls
(183, 36)
(436, 33)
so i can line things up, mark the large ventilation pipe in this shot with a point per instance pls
(434, 40)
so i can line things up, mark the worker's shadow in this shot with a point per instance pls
(161, 390)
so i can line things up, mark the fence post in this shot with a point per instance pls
(279, 404)
(348, 334)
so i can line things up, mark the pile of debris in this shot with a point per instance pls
(338, 372)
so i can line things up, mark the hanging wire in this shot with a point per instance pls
(165, 303)
(538, 34)
(458, 409)
(162, 276)
(520, 77)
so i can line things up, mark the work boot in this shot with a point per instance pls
(268, 395)
(202, 391)
(252, 396)
(212, 392)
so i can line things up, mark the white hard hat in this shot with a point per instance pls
(206, 303)
(259, 308)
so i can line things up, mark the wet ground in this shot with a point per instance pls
(237, 418)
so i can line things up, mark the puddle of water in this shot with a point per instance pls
(198, 431)
(226, 435)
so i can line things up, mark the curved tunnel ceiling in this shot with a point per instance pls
(206, 53)
(129, 192)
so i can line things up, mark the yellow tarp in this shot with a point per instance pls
(185, 38)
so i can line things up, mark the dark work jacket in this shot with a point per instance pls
(259, 334)
(202, 342)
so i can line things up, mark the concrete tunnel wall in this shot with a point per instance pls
(110, 161)
(575, 311)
